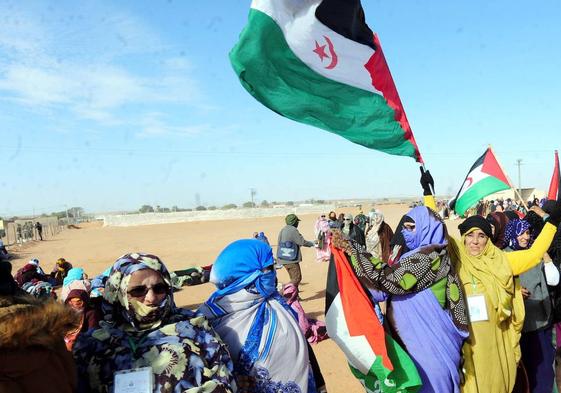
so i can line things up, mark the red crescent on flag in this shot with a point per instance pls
(334, 59)
(468, 182)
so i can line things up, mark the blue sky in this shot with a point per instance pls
(111, 105)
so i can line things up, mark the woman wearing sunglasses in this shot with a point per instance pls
(143, 328)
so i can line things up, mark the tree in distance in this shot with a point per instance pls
(146, 209)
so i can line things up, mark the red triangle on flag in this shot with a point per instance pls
(491, 167)
(553, 193)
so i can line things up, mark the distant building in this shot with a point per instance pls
(528, 194)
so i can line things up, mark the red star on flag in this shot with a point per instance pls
(320, 51)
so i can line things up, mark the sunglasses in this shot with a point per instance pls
(142, 290)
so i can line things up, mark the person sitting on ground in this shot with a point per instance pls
(245, 299)
(3, 252)
(142, 327)
(31, 271)
(34, 358)
(79, 301)
(61, 269)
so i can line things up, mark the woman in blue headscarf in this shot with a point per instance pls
(259, 328)
(538, 353)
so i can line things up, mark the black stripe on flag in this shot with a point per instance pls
(346, 17)
(332, 285)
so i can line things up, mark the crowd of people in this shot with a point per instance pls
(475, 313)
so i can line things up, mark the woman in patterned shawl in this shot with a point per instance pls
(144, 328)
(261, 331)
(426, 306)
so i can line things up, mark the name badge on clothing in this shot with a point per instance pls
(477, 308)
(137, 380)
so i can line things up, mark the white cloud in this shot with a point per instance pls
(78, 67)
(155, 124)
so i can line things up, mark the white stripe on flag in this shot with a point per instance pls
(358, 351)
(302, 30)
(472, 179)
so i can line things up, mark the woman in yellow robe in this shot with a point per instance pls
(495, 305)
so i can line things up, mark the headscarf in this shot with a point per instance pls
(182, 349)
(261, 331)
(291, 219)
(499, 221)
(134, 314)
(514, 229)
(76, 273)
(429, 230)
(493, 270)
(81, 285)
(476, 222)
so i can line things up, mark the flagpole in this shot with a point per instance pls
(509, 181)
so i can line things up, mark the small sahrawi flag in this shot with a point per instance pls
(317, 62)
(553, 193)
(374, 357)
(484, 178)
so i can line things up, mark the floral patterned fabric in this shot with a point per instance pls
(180, 346)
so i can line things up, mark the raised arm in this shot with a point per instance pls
(523, 260)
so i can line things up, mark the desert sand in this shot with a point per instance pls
(182, 245)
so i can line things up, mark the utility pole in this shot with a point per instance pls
(519, 163)
(253, 192)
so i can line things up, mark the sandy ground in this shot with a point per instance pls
(182, 245)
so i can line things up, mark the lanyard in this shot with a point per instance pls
(133, 345)
(473, 285)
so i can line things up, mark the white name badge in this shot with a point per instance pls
(137, 380)
(477, 308)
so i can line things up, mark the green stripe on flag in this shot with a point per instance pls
(404, 377)
(276, 77)
(478, 191)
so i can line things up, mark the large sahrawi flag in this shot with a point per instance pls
(317, 62)
(484, 178)
(375, 359)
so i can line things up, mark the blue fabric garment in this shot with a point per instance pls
(513, 229)
(431, 339)
(250, 315)
(428, 230)
(430, 336)
(240, 264)
(74, 274)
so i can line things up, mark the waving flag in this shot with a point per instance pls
(553, 193)
(375, 359)
(317, 62)
(484, 178)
